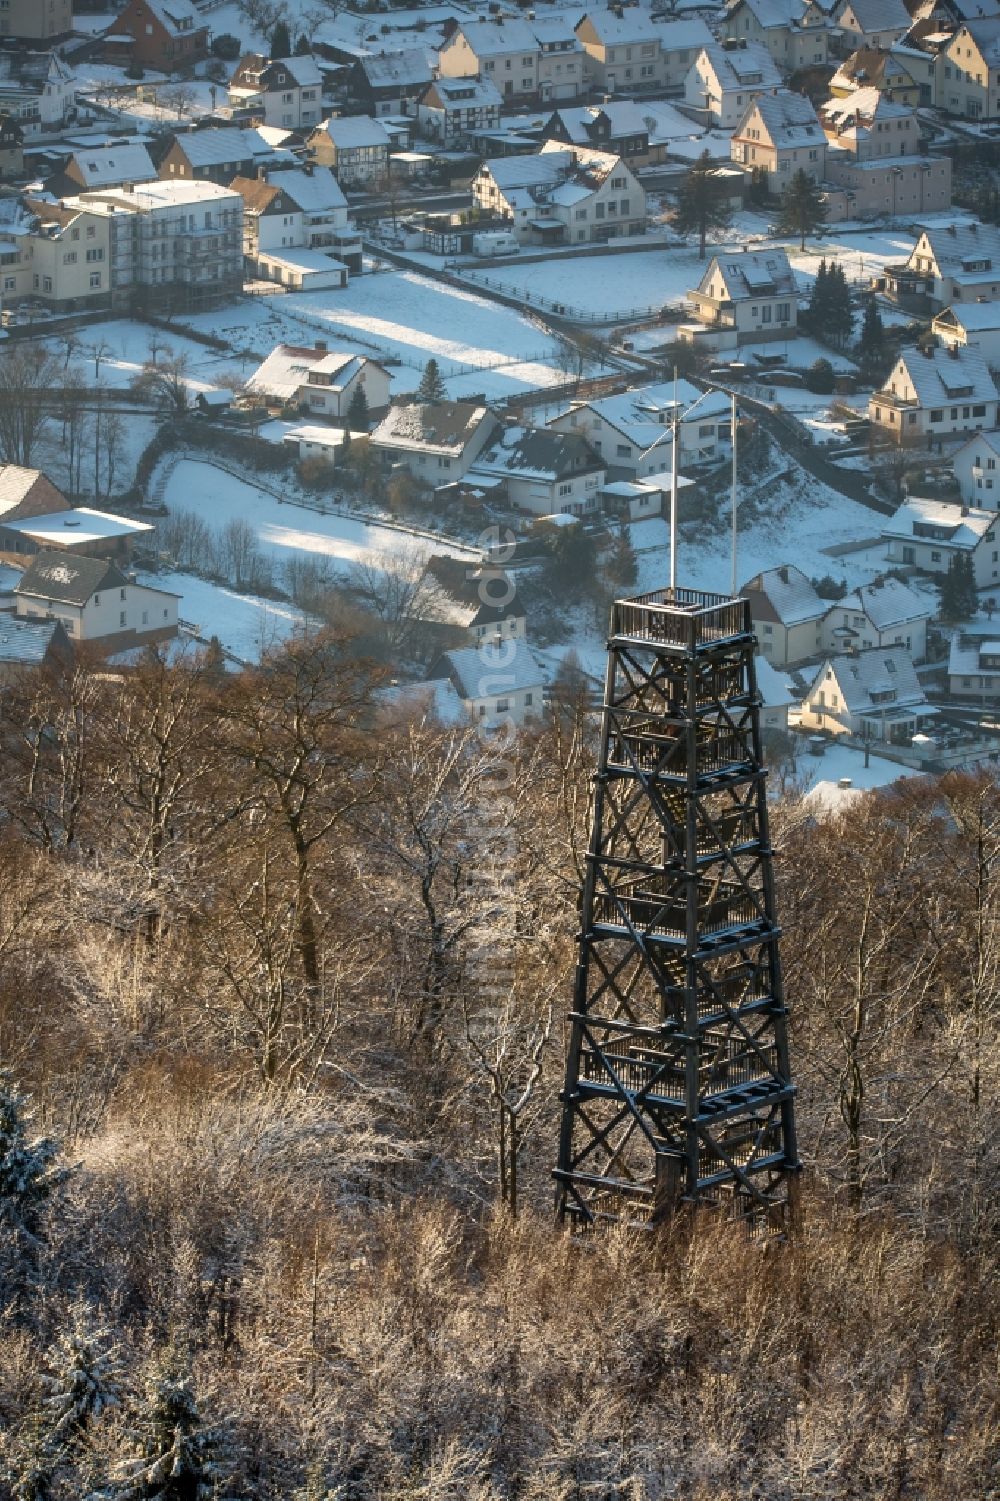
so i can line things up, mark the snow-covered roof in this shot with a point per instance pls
(887, 602)
(989, 441)
(777, 14)
(633, 26)
(178, 17)
(26, 641)
(82, 525)
(287, 368)
(69, 577)
(870, 66)
(463, 93)
(410, 66)
(877, 15)
(865, 676)
(940, 376)
(986, 35)
(154, 195)
(490, 670)
(439, 427)
(536, 454)
(956, 526)
(107, 166)
(303, 70)
(740, 68)
(774, 687)
(624, 117)
(752, 273)
(975, 317)
(967, 252)
(969, 654)
(493, 38)
(350, 131)
(784, 595)
(220, 144)
(312, 192)
(862, 107)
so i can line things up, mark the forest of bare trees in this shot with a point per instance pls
(283, 971)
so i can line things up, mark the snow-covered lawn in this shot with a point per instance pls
(285, 530)
(607, 285)
(861, 255)
(244, 624)
(819, 776)
(479, 345)
(114, 353)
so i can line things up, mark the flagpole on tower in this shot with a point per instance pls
(735, 577)
(673, 494)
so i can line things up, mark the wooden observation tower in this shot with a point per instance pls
(678, 1088)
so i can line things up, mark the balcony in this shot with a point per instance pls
(656, 908)
(687, 619)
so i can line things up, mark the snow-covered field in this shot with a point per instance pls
(245, 625)
(401, 315)
(608, 285)
(115, 352)
(286, 531)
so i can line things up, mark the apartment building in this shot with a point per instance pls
(629, 52)
(871, 23)
(36, 20)
(506, 52)
(876, 160)
(968, 71)
(170, 243)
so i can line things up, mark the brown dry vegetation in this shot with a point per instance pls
(248, 929)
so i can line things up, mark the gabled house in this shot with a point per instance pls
(948, 264)
(320, 380)
(483, 602)
(500, 682)
(355, 147)
(795, 32)
(504, 51)
(543, 472)
(879, 24)
(38, 89)
(974, 667)
(103, 167)
(977, 470)
(901, 79)
(787, 615)
(215, 153)
(628, 52)
(778, 135)
(438, 441)
(927, 534)
(745, 297)
(389, 83)
(932, 393)
(875, 156)
(971, 325)
(562, 62)
(451, 110)
(875, 695)
(633, 431)
(619, 127)
(297, 210)
(28, 492)
(286, 92)
(163, 34)
(26, 645)
(94, 601)
(726, 77)
(968, 71)
(562, 195)
(884, 613)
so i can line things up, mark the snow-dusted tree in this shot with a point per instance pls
(83, 1383)
(431, 387)
(27, 1165)
(181, 1457)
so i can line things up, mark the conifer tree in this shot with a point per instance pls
(181, 1458)
(959, 599)
(357, 411)
(281, 41)
(83, 1382)
(431, 387)
(302, 46)
(802, 208)
(27, 1173)
(701, 202)
(871, 346)
(819, 300)
(838, 315)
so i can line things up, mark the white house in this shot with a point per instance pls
(974, 666)
(628, 52)
(871, 23)
(543, 472)
(320, 380)
(778, 135)
(787, 614)
(726, 76)
(563, 195)
(883, 613)
(499, 682)
(931, 393)
(949, 264)
(504, 51)
(927, 534)
(977, 470)
(95, 601)
(745, 297)
(633, 431)
(437, 441)
(298, 211)
(288, 91)
(971, 325)
(795, 32)
(875, 695)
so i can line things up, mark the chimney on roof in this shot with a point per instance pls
(953, 351)
(783, 574)
(321, 346)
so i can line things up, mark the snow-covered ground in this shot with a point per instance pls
(820, 776)
(402, 316)
(607, 285)
(284, 530)
(115, 352)
(244, 624)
